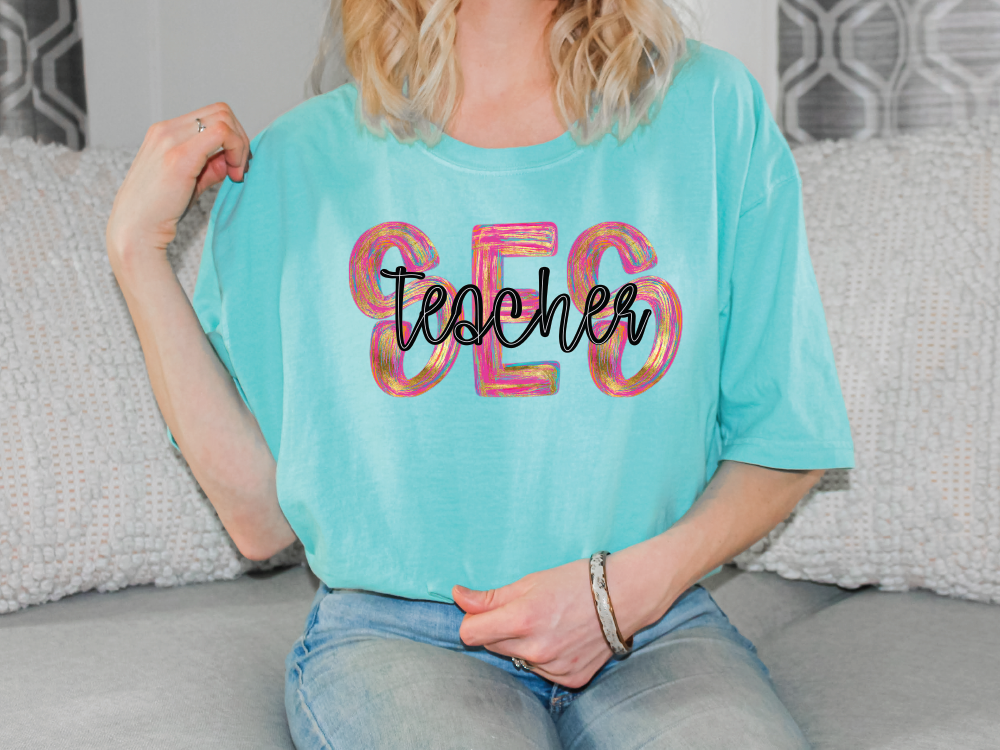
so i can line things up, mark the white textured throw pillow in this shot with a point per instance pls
(904, 234)
(92, 495)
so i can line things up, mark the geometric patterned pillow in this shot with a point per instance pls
(872, 68)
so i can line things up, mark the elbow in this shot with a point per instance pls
(248, 507)
(242, 486)
(804, 483)
(255, 549)
(241, 525)
(261, 538)
(267, 533)
(815, 476)
(807, 482)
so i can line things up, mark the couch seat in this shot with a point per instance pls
(202, 665)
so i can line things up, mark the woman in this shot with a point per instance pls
(453, 483)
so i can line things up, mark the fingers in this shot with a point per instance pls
(210, 113)
(516, 647)
(222, 134)
(473, 602)
(557, 669)
(244, 162)
(239, 127)
(494, 614)
(214, 171)
(507, 622)
(541, 663)
(538, 652)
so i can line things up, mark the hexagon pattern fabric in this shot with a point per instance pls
(904, 235)
(92, 495)
(874, 68)
(42, 91)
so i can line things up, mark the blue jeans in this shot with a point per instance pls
(378, 671)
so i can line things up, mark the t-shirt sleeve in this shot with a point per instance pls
(780, 401)
(207, 302)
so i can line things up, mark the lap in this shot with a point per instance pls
(396, 693)
(373, 672)
(699, 687)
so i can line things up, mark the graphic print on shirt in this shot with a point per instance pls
(490, 244)
(386, 357)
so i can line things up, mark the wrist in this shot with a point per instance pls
(641, 586)
(133, 264)
(648, 577)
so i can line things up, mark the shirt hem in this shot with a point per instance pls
(791, 456)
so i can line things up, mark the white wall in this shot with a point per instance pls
(149, 60)
(749, 30)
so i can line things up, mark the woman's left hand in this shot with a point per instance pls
(548, 618)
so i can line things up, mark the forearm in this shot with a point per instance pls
(217, 434)
(740, 505)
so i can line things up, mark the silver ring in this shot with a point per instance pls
(521, 664)
(201, 125)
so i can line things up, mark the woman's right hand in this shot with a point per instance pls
(174, 165)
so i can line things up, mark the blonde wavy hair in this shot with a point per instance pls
(613, 59)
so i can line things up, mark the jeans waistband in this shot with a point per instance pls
(439, 622)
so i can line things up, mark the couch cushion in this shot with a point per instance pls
(761, 604)
(197, 666)
(887, 670)
(870, 669)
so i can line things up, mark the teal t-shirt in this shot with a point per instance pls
(406, 472)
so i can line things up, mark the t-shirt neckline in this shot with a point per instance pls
(508, 159)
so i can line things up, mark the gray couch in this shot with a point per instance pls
(202, 665)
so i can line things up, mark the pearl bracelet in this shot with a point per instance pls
(605, 612)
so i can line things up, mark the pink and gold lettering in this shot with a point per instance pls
(637, 255)
(490, 245)
(418, 254)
